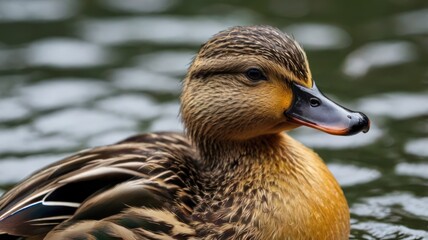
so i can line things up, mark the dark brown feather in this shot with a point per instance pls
(142, 171)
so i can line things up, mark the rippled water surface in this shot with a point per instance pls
(76, 74)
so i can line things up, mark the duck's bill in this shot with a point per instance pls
(311, 108)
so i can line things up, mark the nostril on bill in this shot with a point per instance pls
(314, 102)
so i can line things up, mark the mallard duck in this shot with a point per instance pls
(235, 174)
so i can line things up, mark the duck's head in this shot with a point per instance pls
(252, 81)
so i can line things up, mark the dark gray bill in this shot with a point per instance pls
(311, 108)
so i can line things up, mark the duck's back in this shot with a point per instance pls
(141, 188)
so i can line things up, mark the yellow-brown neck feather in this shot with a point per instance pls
(289, 193)
(280, 188)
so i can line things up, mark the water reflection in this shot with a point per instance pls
(177, 62)
(414, 22)
(395, 105)
(21, 140)
(136, 106)
(349, 175)
(378, 230)
(81, 122)
(380, 206)
(289, 8)
(26, 166)
(169, 120)
(418, 147)
(66, 53)
(58, 93)
(12, 109)
(138, 79)
(376, 55)
(11, 59)
(316, 36)
(158, 30)
(110, 137)
(37, 10)
(139, 6)
(413, 169)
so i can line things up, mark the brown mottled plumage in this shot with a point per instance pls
(236, 175)
(265, 42)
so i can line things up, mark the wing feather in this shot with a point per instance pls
(100, 183)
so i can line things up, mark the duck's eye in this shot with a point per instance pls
(255, 74)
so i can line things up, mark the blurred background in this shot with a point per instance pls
(76, 74)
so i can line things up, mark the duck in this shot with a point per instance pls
(234, 173)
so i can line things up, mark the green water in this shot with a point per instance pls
(75, 74)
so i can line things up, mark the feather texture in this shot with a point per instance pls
(152, 171)
(235, 175)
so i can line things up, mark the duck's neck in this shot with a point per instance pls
(227, 155)
(282, 183)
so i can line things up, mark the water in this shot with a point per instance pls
(76, 74)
